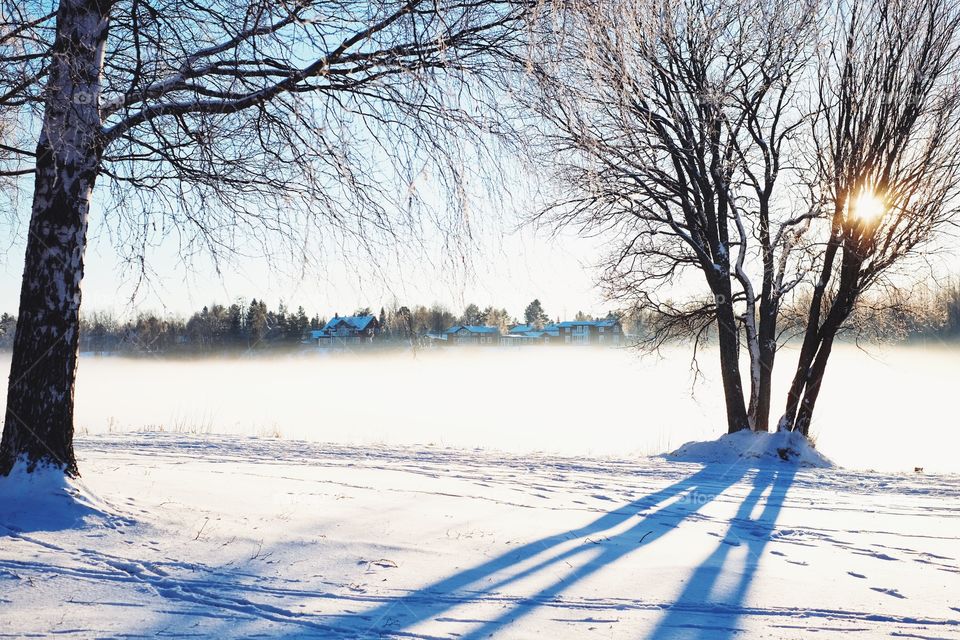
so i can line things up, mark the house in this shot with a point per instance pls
(527, 334)
(608, 331)
(521, 329)
(465, 334)
(347, 331)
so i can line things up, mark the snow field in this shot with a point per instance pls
(226, 536)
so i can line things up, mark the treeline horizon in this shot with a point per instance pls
(247, 326)
(242, 326)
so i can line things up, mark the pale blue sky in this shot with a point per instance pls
(509, 269)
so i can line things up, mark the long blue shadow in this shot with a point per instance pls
(559, 561)
(711, 606)
(683, 499)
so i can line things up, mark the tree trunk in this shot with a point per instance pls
(811, 337)
(729, 342)
(768, 354)
(842, 308)
(817, 346)
(38, 427)
(812, 390)
(767, 329)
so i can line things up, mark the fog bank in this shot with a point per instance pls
(891, 409)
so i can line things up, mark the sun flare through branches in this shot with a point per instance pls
(867, 207)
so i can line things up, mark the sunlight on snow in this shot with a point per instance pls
(888, 409)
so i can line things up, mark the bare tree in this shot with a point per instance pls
(886, 138)
(668, 123)
(225, 122)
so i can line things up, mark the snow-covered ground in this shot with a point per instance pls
(902, 398)
(178, 535)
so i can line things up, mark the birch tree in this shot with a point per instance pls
(220, 122)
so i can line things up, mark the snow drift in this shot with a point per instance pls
(47, 500)
(755, 448)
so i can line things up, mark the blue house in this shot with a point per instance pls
(607, 331)
(465, 334)
(347, 331)
(527, 334)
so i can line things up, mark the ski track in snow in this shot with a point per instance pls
(225, 536)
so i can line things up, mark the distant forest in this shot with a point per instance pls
(253, 326)
(243, 326)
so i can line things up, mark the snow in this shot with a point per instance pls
(757, 448)
(45, 499)
(229, 536)
(588, 401)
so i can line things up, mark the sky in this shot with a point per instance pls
(508, 267)
(508, 264)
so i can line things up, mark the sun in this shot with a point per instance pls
(867, 207)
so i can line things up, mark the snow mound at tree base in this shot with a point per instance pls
(753, 448)
(47, 500)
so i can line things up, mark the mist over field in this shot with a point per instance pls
(890, 408)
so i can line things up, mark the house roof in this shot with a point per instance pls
(472, 328)
(606, 322)
(531, 334)
(520, 336)
(521, 328)
(537, 334)
(356, 322)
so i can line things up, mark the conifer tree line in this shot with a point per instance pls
(253, 326)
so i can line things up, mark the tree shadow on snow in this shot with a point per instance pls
(561, 560)
(216, 601)
(713, 599)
